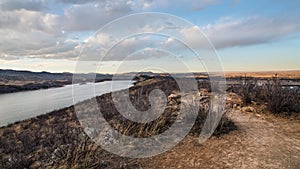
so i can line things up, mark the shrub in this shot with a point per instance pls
(247, 89)
(279, 98)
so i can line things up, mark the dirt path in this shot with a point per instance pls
(260, 142)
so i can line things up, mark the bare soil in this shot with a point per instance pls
(261, 141)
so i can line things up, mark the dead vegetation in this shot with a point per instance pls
(56, 140)
(277, 97)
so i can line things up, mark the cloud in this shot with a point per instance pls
(26, 33)
(35, 44)
(29, 29)
(91, 16)
(78, 1)
(229, 32)
(175, 4)
(31, 5)
(141, 47)
(192, 36)
(136, 4)
(25, 21)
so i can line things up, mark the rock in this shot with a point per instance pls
(36, 164)
(174, 96)
(60, 152)
(253, 102)
(19, 144)
(234, 98)
(247, 109)
(172, 102)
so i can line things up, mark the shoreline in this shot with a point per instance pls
(50, 100)
(7, 89)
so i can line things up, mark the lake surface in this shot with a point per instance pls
(23, 105)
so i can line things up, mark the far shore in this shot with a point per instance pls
(12, 81)
(31, 86)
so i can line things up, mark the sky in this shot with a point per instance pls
(55, 35)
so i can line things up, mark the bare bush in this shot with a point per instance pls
(279, 98)
(247, 89)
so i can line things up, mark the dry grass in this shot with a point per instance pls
(265, 74)
(56, 140)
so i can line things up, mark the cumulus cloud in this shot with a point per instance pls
(91, 16)
(34, 44)
(25, 21)
(29, 29)
(26, 33)
(18, 26)
(138, 47)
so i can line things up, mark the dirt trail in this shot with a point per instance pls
(260, 142)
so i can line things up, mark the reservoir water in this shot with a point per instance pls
(23, 105)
